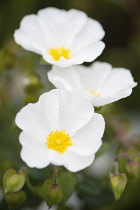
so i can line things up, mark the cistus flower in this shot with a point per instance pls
(101, 83)
(63, 38)
(62, 129)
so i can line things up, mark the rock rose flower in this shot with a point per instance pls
(62, 129)
(63, 38)
(101, 83)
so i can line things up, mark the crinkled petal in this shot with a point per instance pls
(65, 78)
(101, 101)
(88, 53)
(60, 26)
(33, 153)
(96, 75)
(74, 110)
(70, 160)
(30, 35)
(119, 79)
(40, 118)
(80, 77)
(87, 140)
(77, 163)
(91, 32)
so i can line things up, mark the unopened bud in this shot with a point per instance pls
(118, 183)
(15, 199)
(51, 193)
(13, 181)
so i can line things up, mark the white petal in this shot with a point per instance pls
(91, 77)
(33, 153)
(88, 53)
(87, 140)
(31, 119)
(99, 101)
(77, 163)
(30, 36)
(60, 26)
(65, 78)
(70, 160)
(119, 79)
(91, 32)
(97, 73)
(80, 77)
(40, 118)
(74, 111)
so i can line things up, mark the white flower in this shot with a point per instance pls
(63, 38)
(101, 83)
(62, 129)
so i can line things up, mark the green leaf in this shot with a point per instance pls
(68, 181)
(51, 193)
(89, 186)
(93, 192)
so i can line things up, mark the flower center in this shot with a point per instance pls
(94, 92)
(57, 53)
(58, 140)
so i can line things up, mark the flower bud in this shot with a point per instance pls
(15, 199)
(51, 193)
(118, 183)
(13, 181)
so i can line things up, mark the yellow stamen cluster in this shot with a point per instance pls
(58, 140)
(57, 53)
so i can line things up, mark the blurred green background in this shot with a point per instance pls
(23, 79)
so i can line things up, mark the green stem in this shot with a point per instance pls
(55, 175)
(116, 168)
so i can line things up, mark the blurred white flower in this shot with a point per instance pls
(74, 202)
(101, 83)
(62, 129)
(63, 38)
(104, 163)
(43, 206)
